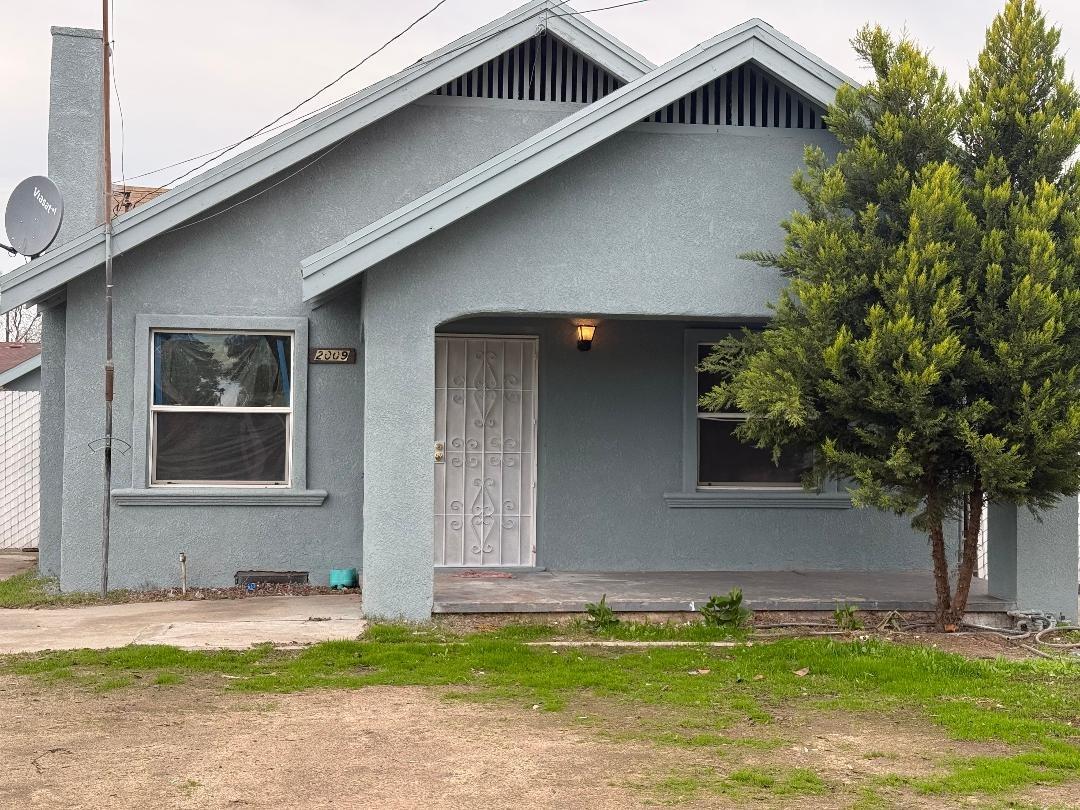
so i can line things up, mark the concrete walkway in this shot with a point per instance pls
(233, 624)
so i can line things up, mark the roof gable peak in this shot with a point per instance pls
(752, 41)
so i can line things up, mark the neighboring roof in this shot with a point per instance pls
(125, 197)
(754, 40)
(18, 360)
(51, 271)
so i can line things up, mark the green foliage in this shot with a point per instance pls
(601, 617)
(846, 618)
(27, 589)
(639, 631)
(725, 611)
(1055, 764)
(742, 784)
(928, 343)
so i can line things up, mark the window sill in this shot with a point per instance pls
(757, 498)
(237, 496)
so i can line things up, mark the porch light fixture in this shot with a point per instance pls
(584, 336)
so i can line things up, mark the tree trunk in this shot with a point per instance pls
(969, 554)
(943, 611)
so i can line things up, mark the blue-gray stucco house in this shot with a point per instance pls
(455, 225)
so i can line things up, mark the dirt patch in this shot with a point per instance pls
(195, 746)
(969, 645)
(190, 746)
(846, 747)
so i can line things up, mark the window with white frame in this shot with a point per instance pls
(221, 408)
(723, 461)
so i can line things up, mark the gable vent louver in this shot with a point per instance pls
(542, 69)
(745, 97)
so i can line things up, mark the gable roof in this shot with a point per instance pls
(18, 360)
(753, 41)
(51, 271)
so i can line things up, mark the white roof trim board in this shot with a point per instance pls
(21, 370)
(50, 272)
(754, 41)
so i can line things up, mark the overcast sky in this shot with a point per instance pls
(196, 75)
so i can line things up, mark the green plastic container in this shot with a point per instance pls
(343, 578)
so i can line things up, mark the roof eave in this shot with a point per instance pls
(16, 372)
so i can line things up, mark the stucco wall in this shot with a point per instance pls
(650, 222)
(245, 262)
(610, 440)
(647, 223)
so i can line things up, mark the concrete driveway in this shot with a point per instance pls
(234, 624)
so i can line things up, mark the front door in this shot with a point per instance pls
(485, 450)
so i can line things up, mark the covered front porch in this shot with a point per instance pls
(554, 475)
(481, 591)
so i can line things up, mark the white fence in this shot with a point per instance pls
(19, 516)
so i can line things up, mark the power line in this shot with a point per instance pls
(258, 193)
(322, 89)
(602, 8)
(116, 92)
(419, 63)
(278, 124)
(336, 145)
(414, 66)
(282, 125)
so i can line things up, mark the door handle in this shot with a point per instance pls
(439, 447)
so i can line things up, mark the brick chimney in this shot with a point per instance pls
(75, 128)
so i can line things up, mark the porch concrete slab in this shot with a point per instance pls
(662, 591)
(15, 562)
(221, 624)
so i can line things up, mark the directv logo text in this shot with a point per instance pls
(44, 203)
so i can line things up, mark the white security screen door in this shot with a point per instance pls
(485, 450)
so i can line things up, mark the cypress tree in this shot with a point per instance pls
(927, 345)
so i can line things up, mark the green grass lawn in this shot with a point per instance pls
(1023, 714)
(27, 590)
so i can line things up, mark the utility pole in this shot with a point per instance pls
(106, 503)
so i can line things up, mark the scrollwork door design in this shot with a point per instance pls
(485, 418)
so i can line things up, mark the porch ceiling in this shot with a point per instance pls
(661, 591)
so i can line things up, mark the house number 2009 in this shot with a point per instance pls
(332, 356)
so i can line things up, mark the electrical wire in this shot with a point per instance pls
(314, 95)
(602, 8)
(116, 93)
(258, 193)
(282, 125)
(277, 123)
(414, 66)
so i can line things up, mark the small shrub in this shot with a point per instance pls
(601, 616)
(725, 611)
(846, 619)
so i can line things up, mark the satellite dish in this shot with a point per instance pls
(34, 212)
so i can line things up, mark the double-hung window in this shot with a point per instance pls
(221, 408)
(725, 462)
